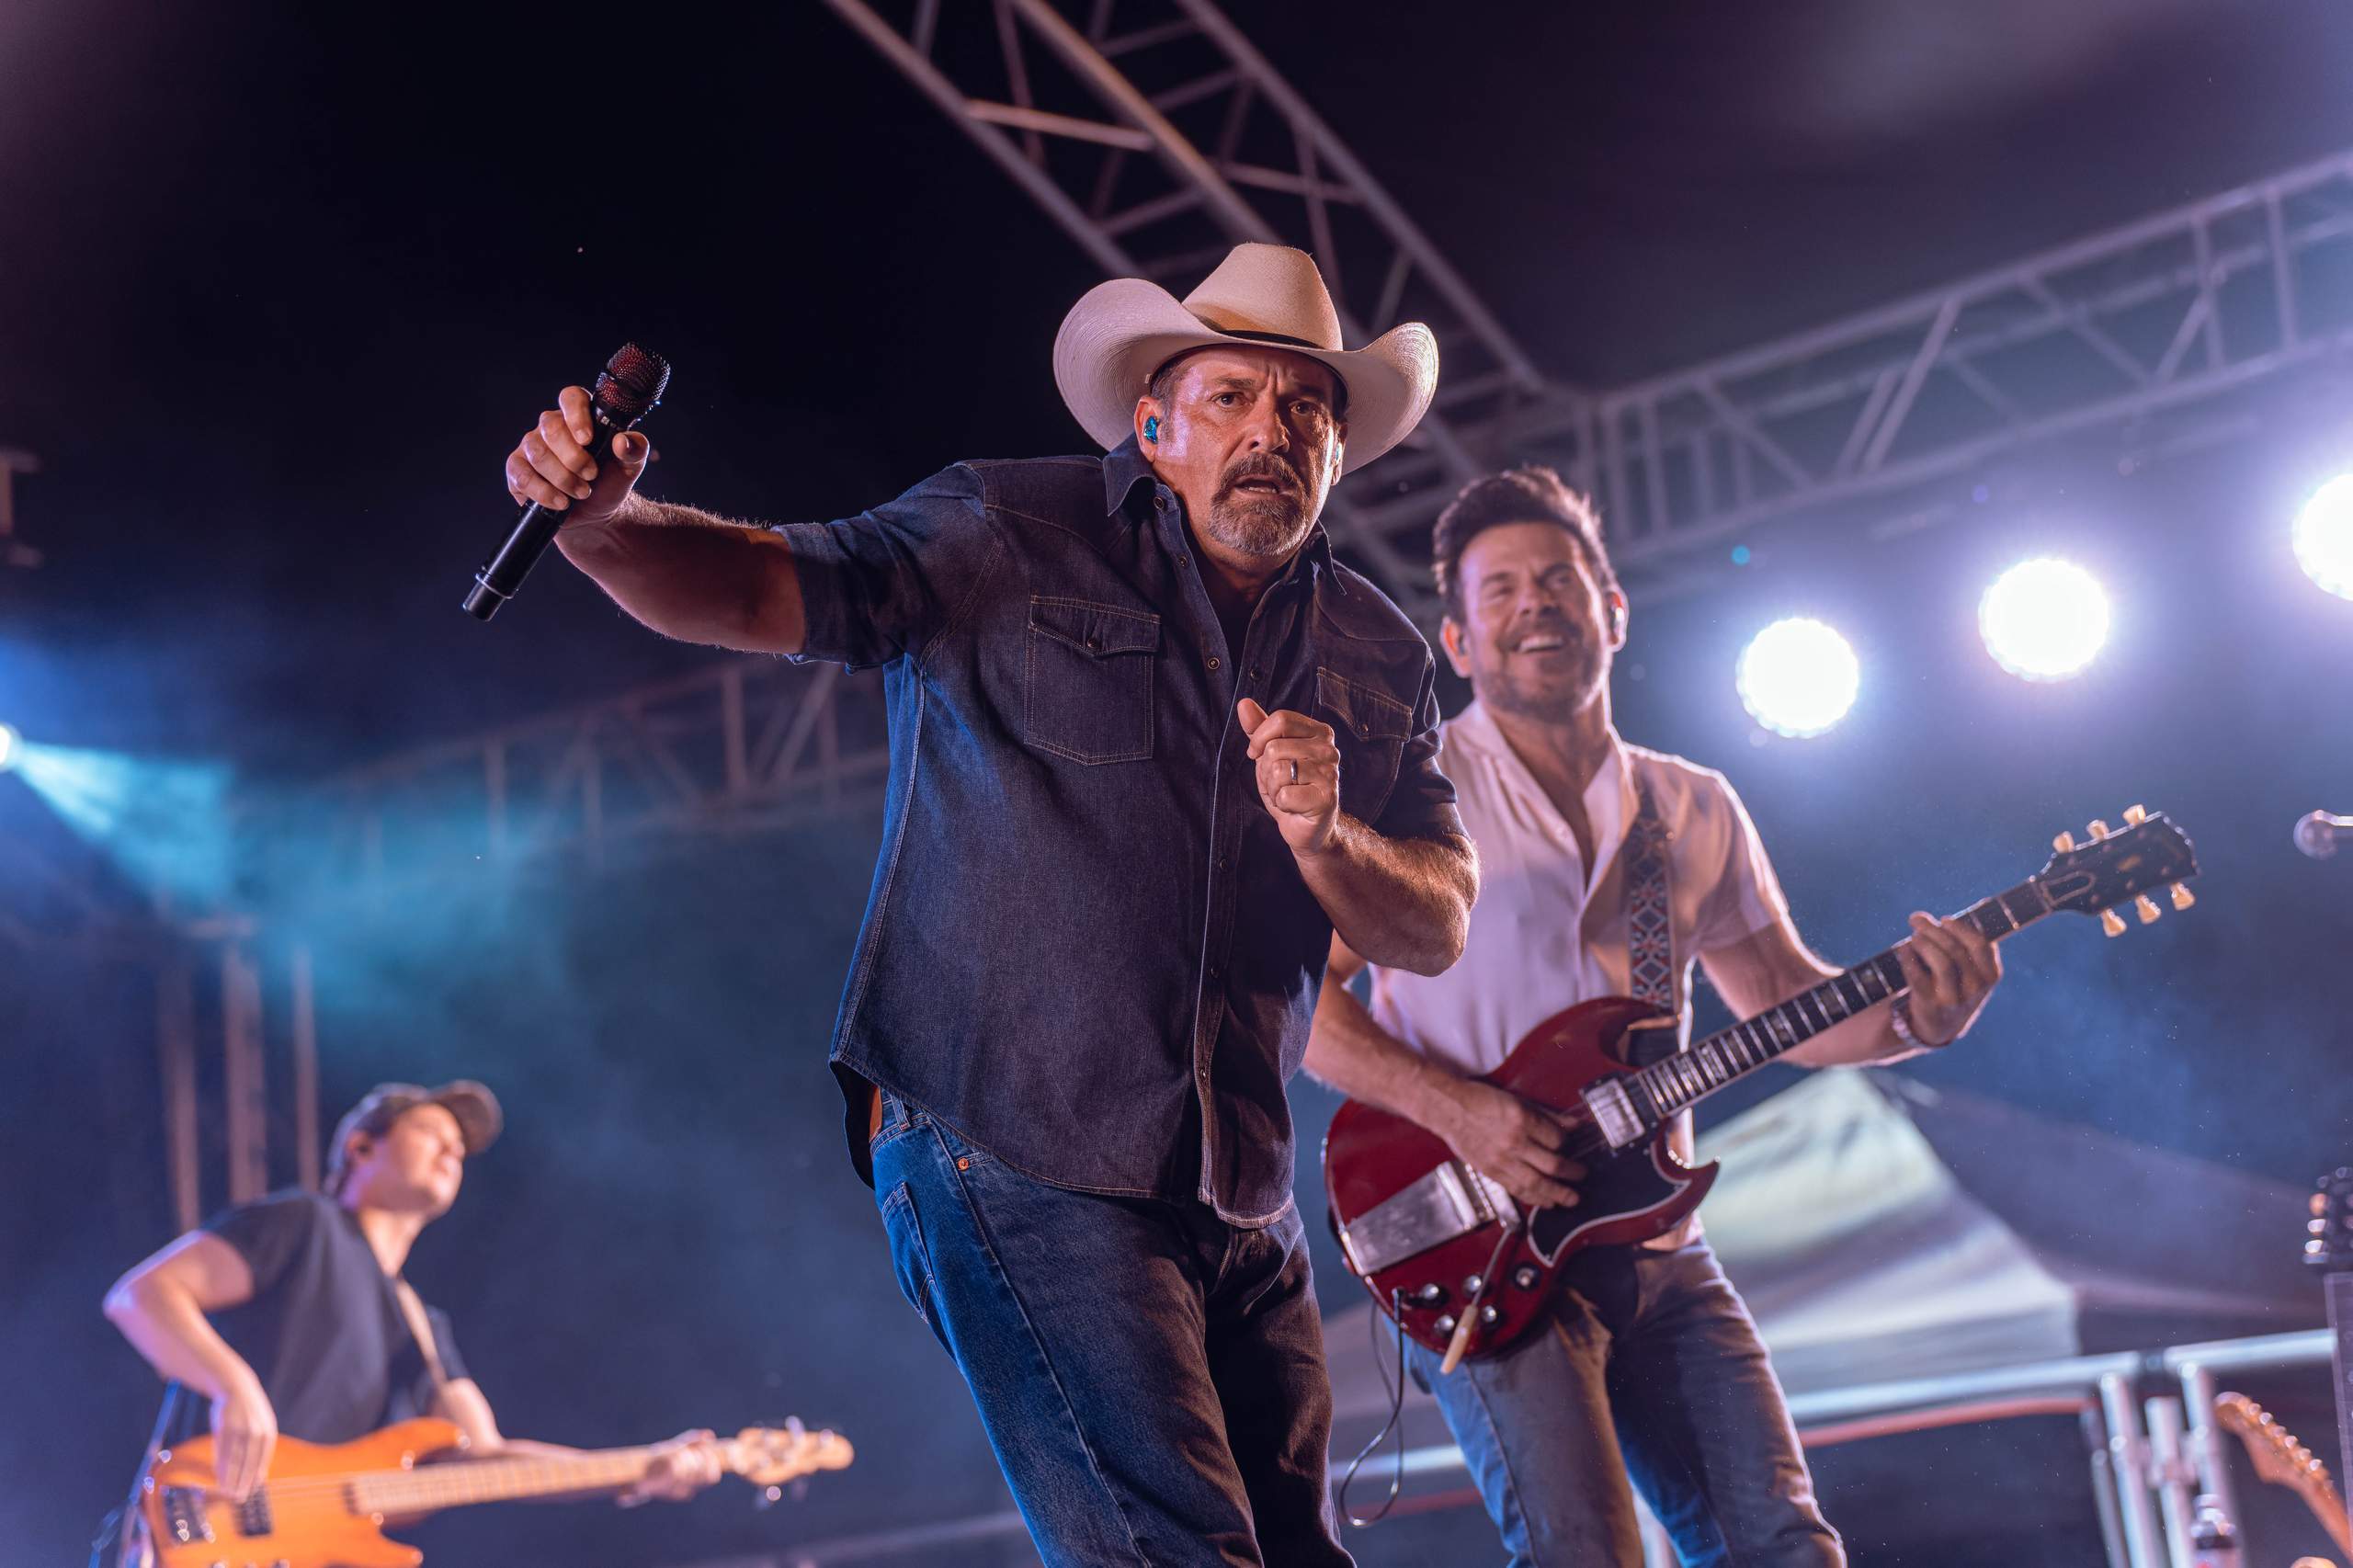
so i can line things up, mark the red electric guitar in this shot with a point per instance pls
(1463, 1269)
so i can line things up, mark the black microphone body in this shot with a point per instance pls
(629, 388)
(2318, 834)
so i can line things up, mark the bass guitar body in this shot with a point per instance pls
(1432, 1238)
(307, 1516)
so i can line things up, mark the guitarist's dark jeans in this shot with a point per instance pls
(1648, 1368)
(1151, 1377)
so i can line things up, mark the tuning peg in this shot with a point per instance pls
(2098, 829)
(2146, 908)
(2063, 843)
(2135, 815)
(2111, 922)
(2182, 897)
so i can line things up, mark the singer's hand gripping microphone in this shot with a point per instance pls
(629, 388)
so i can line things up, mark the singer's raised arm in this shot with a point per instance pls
(859, 592)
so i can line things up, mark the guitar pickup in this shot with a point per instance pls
(1452, 1201)
(1614, 1113)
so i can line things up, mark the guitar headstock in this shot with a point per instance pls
(2329, 1239)
(772, 1456)
(2116, 865)
(2274, 1451)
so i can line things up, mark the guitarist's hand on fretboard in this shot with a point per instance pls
(678, 1468)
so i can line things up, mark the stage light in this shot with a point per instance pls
(11, 746)
(1798, 678)
(2043, 619)
(2323, 536)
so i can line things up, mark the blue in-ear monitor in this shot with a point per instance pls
(1151, 429)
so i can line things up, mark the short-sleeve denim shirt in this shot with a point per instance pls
(1086, 948)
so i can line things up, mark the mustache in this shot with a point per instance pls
(1266, 466)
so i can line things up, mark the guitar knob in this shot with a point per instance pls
(2111, 922)
(2063, 843)
(1473, 1284)
(2136, 815)
(2098, 829)
(2182, 897)
(1526, 1277)
(1429, 1295)
(2146, 908)
(1445, 1324)
(1490, 1316)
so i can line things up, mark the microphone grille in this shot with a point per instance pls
(632, 382)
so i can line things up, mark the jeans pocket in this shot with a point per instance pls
(1087, 677)
(1370, 728)
(910, 1260)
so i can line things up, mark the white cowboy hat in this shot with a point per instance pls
(1260, 296)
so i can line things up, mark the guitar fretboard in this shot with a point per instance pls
(1680, 1081)
(436, 1486)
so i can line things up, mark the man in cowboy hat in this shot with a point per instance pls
(1151, 744)
(289, 1314)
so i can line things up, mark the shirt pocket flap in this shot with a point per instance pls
(1367, 714)
(1095, 629)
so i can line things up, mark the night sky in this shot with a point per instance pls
(279, 287)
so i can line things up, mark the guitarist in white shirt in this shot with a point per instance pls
(290, 1312)
(1648, 1369)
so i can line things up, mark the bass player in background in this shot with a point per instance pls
(290, 1312)
(1649, 1367)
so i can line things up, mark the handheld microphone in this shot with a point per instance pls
(628, 389)
(2318, 834)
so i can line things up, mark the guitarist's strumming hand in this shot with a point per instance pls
(681, 1467)
(244, 1434)
(1511, 1141)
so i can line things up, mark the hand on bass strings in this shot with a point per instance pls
(1951, 968)
(679, 1469)
(551, 465)
(244, 1435)
(1298, 773)
(1511, 1141)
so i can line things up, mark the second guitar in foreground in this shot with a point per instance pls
(1463, 1269)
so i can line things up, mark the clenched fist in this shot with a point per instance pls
(552, 466)
(1299, 774)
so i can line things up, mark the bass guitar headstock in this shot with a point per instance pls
(2328, 1242)
(772, 1457)
(2118, 865)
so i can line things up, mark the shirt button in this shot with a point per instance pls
(1223, 863)
(1212, 660)
(1183, 559)
(1257, 674)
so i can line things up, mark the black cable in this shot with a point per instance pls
(1396, 1419)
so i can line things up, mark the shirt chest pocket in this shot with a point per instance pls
(1087, 680)
(1370, 728)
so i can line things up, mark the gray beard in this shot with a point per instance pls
(1267, 530)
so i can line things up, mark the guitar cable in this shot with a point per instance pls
(1395, 1422)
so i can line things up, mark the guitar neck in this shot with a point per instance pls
(436, 1486)
(1680, 1081)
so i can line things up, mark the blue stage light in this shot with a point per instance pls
(2043, 619)
(2323, 536)
(11, 747)
(1798, 678)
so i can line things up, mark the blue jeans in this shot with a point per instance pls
(1151, 1378)
(1647, 1368)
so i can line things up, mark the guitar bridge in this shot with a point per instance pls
(1614, 1113)
(1451, 1201)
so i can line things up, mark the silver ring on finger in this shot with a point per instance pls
(1294, 770)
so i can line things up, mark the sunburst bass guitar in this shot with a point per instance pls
(1446, 1252)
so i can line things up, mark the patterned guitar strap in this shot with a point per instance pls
(1650, 928)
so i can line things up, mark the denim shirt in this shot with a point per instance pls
(1087, 949)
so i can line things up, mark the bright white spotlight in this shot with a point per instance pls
(11, 745)
(2043, 619)
(1797, 677)
(2323, 536)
